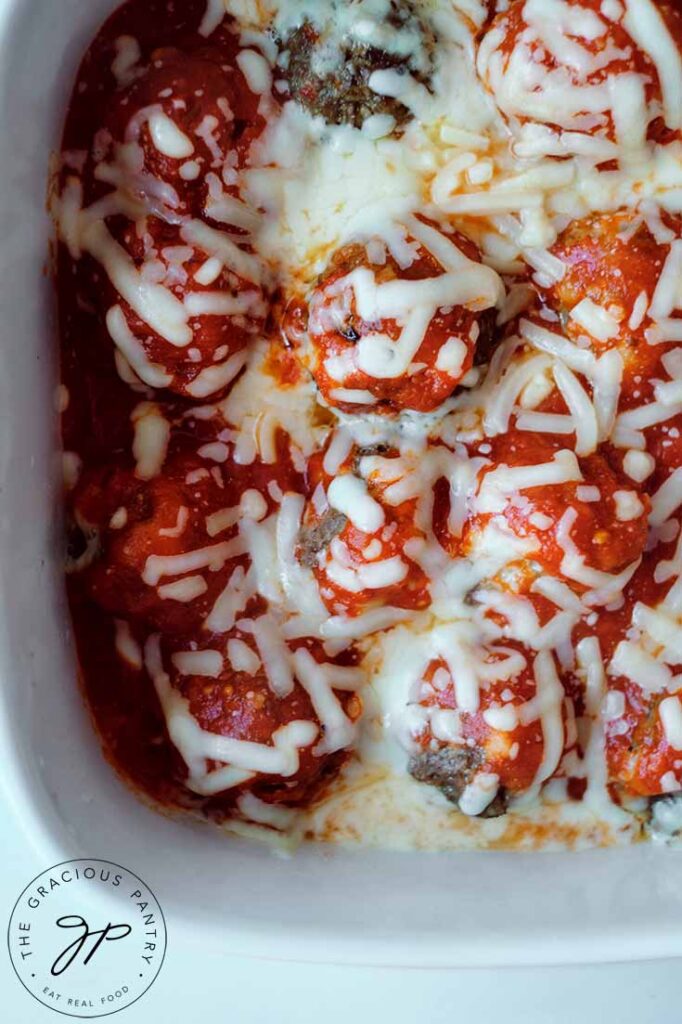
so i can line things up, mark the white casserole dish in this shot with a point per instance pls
(325, 904)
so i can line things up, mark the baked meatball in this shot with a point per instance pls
(356, 533)
(181, 303)
(643, 741)
(360, 63)
(165, 245)
(575, 518)
(642, 710)
(480, 751)
(575, 66)
(163, 550)
(395, 326)
(280, 732)
(188, 116)
(613, 264)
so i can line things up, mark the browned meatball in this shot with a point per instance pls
(451, 770)
(342, 348)
(120, 522)
(328, 68)
(157, 551)
(240, 704)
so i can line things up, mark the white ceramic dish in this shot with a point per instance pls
(326, 905)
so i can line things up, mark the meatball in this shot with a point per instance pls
(168, 257)
(664, 817)
(613, 262)
(650, 455)
(480, 752)
(451, 770)
(644, 715)
(583, 522)
(574, 65)
(162, 551)
(361, 63)
(394, 328)
(642, 711)
(281, 730)
(187, 121)
(357, 529)
(186, 307)
(641, 757)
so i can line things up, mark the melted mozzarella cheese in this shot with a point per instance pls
(645, 24)
(348, 494)
(133, 351)
(168, 138)
(152, 434)
(153, 303)
(215, 12)
(670, 712)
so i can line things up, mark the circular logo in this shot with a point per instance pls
(87, 938)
